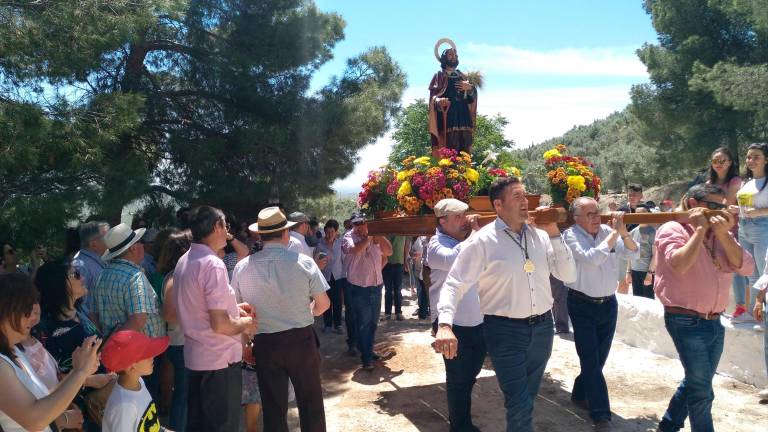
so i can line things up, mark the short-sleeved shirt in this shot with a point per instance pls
(200, 285)
(129, 410)
(398, 250)
(298, 243)
(643, 236)
(123, 290)
(335, 267)
(364, 267)
(758, 191)
(90, 266)
(279, 284)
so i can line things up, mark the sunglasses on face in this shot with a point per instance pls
(720, 161)
(712, 205)
(75, 274)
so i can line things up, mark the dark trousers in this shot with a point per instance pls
(639, 288)
(593, 328)
(560, 305)
(699, 343)
(214, 397)
(349, 313)
(292, 354)
(177, 418)
(461, 375)
(393, 284)
(423, 293)
(366, 302)
(519, 352)
(332, 316)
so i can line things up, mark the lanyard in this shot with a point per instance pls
(520, 245)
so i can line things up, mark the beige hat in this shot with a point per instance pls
(271, 219)
(450, 206)
(119, 238)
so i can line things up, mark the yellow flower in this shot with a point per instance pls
(551, 153)
(445, 162)
(515, 172)
(424, 160)
(472, 175)
(576, 182)
(402, 175)
(405, 189)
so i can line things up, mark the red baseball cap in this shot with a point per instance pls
(127, 347)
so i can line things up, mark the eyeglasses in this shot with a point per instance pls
(589, 215)
(712, 205)
(720, 161)
(358, 223)
(75, 274)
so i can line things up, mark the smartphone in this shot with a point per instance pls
(321, 255)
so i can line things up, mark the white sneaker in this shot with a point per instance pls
(763, 395)
(758, 327)
(746, 317)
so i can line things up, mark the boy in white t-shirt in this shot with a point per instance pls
(130, 406)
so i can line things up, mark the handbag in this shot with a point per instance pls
(95, 402)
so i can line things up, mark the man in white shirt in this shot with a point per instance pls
(298, 242)
(461, 371)
(510, 261)
(597, 249)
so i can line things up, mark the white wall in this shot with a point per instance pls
(641, 324)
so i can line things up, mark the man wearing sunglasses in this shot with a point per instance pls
(696, 260)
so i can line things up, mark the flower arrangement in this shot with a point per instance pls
(489, 174)
(376, 196)
(424, 181)
(569, 177)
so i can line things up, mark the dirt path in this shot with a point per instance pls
(406, 392)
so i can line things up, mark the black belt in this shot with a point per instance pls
(582, 296)
(531, 320)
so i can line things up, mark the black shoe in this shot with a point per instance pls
(351, 352)
(603, 425)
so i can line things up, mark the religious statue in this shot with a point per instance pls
(452, 103)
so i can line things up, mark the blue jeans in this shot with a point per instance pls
(366, 303)
(519, 353)
(178, 416)
(393, 284)
(753, 236)
(461, 375)
(699, 343)
(423, 295)
(593, 328)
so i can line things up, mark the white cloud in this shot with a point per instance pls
(372, 156)
(617, 62)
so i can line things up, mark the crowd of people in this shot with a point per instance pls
(214, 321)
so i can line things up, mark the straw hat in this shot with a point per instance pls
(119, 238)
(271, 219)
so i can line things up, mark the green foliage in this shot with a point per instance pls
(412, 137)
(327, 207)
(708, 78)
(206, 101)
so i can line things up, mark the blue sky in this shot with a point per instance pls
(548, 65)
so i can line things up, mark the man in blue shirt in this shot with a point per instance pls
(460, 371)
(592, 305)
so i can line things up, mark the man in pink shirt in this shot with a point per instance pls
(696, 261)
(364, 263)
(213, 323)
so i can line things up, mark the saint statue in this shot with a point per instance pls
(452, 104)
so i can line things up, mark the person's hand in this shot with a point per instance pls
(443, 103)
(246, 309)
(322, 262)
(551, 227)
(85, 358)
(617, 223)
(445, 342)
(758, 311)
(628, 279)
(250, 326)
(98, 381)
(623, 287)
(733, 209)
(463, 86)
(472, 223)
(70, 419)
(721, 225)
(248, 357)
(697, 218)
(648, 279)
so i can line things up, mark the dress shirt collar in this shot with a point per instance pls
(274, 245)
(202, 248)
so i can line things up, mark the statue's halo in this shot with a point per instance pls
(440, 42)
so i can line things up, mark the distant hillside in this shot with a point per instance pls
(614, 146)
